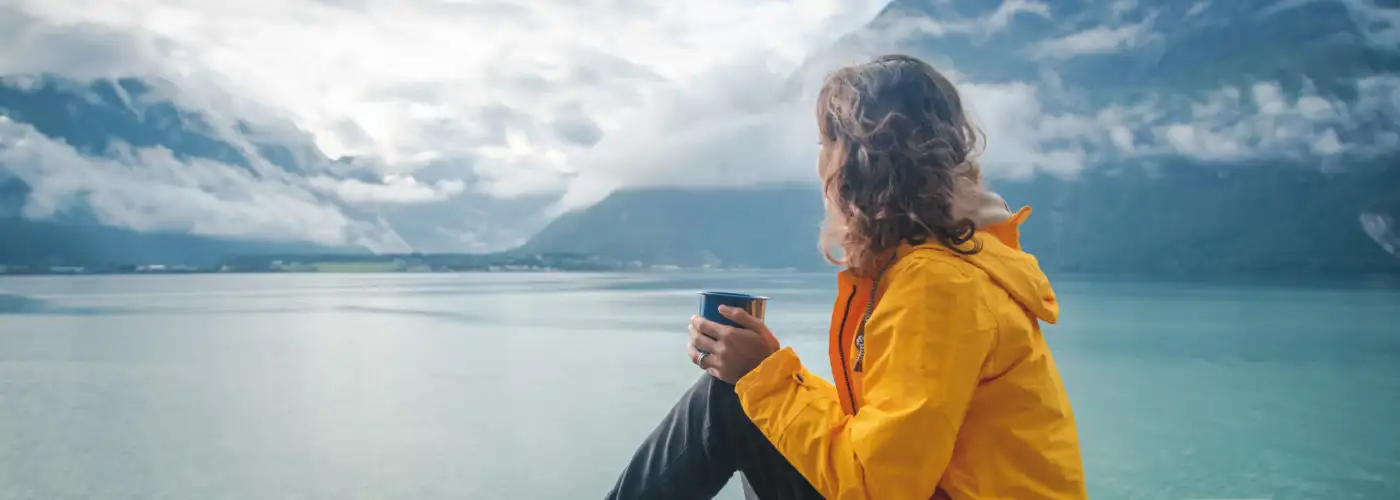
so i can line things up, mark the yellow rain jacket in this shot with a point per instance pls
(956, 396)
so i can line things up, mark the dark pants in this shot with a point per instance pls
(700, 445)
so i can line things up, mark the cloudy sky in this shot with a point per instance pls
(467, 104)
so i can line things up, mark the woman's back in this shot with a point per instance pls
(1018, 438)
(1001, 424)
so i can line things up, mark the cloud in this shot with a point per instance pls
(394, 189)
(81, 50)
(1096, 40)
(1197, 8)
(523, 94)
(1021, 136)
(1223, 125)
(1377, 23)
(908, 26)
(415, 82)
(148, 189)
(1383, 229)
(1380, 26)
(1261, 121)
(1227, 124)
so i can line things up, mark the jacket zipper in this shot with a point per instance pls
(869, 308)
(841, 348)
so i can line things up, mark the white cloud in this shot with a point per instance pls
(148, 189)
(1020, 134)
(1377, 23)
(1096, 40)
(997, 21)
(1327, 143)
(1123, 139)
(1384, 230)
(1197, 8)
(395, 189)
(1261, 122)
(414, 82)
(1228, 124)
(527, 95)
(1009, 9)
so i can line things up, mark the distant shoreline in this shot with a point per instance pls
(466, 271)
(342, 265)
(473, 271)
(217, 271)
(348, 263)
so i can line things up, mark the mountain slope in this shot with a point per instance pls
(106, 119)
(40, 244)
(1192, 220)
(133, 159)
(766, 228)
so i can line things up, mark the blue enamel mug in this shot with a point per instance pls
(710, 302)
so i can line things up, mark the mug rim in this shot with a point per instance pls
(734, 295)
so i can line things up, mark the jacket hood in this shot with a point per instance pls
(998, 230)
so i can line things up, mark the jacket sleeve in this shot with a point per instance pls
(925, 348)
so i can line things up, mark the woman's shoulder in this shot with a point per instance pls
(936, 264)
(939, 282)
(934, 297)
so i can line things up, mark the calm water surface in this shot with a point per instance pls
(523, 386)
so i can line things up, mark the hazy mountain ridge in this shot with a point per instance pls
(772, 227)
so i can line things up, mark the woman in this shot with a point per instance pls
(944, 386)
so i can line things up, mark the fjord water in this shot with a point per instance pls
(523, 386)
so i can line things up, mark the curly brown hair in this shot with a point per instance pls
(894, 140)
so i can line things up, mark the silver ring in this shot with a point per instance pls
(700, 361)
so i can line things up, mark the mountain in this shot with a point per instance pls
(39, 243)
(1187, 219)
(98, 119)
(769, 227)
(128, 171)
(1248, 137)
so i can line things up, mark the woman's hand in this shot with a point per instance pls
(726, 352)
